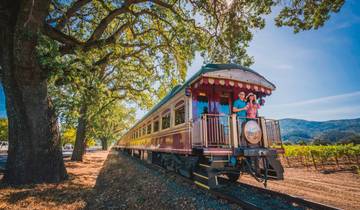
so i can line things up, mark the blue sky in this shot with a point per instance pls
(316, 72)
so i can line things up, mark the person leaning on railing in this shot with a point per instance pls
(252, 106)
(240, 106)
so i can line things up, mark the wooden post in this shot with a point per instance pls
(337, 162)
(313, 159)
(264, 132)
(288, 162)
(234, 131)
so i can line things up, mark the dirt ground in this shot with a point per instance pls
(124, 183)
(340, 189)
(85, 189)
(70, 194)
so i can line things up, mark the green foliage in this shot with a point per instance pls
(68, 136)
(334, 131)
(4, 129)
(321, 152)
(321, 142)
(103, 52)
(112, 122)
(173, 30)
(307, 14)
(353, 139)
(90, 142)
(302, 142)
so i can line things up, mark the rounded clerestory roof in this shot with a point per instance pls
(208, 68)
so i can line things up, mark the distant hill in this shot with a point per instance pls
(294, 130)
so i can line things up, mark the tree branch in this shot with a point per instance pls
(61, 37)
(70, 12)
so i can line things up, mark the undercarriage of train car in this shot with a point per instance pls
(227, 144)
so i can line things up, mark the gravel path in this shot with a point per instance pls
(125, 183)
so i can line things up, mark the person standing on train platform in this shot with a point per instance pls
(239, 106)
(252, 106)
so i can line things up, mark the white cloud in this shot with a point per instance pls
(344, 112)
(321, 100)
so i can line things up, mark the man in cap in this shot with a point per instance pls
(239, 106)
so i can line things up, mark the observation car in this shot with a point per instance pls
(194, 132)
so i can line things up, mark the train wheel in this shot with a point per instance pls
(233, 177)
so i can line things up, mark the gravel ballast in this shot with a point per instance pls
(126, 183)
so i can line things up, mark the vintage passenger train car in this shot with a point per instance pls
(193, 130)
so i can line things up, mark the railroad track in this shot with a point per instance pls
(245, 195)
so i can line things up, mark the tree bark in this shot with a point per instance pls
(80, 143)
(34, 153)
(104, 143)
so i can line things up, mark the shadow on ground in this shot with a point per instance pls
(73, 193)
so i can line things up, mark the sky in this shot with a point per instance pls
(317, 72)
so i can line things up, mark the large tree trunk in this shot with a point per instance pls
(34, 154)
(104, 143)
(80, 142)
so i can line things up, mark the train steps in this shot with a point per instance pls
(200, 175)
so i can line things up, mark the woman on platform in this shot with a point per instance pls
(252, 106)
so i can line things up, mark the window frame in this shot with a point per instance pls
(148, 131)
(167, 112)
(143, 130)
(156, 119)
(179, 105)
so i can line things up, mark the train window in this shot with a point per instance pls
(180, 115)
(144, 130)
(165, 120)
(156, 126)
(149, 128)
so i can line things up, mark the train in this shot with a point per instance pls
(194, 131)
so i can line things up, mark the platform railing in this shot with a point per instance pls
(225, 131)
(212, 130)
(273, 132)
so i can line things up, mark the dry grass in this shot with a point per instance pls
(70, 194)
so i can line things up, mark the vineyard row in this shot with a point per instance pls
(322, 155)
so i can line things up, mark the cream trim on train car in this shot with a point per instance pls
(241, 75)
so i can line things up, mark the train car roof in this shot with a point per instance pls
(205, 69)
